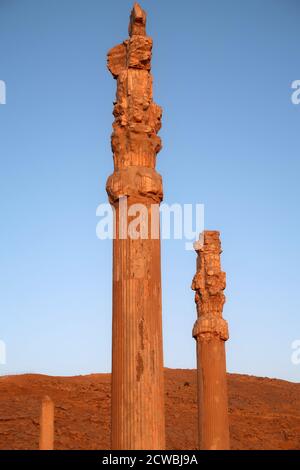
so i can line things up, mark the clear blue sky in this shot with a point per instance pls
(223, 72)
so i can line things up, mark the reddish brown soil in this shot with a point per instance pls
(264, 413)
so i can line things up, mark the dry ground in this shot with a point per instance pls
(264, 413)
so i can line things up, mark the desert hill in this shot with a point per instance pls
(264, 413)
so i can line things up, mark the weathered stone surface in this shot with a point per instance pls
(47, 425)
(211, 332)
(116, 59)
(135, 182)
(138, 420)
(139, 52)
(137, 24)
(137, 118)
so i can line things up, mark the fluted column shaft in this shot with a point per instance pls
(212, 395)
(137, 364)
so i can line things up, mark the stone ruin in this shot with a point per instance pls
(211, 332)
(137, 360)
(138, 418)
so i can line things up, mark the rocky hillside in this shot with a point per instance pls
(264, 413)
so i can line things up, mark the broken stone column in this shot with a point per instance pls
(138, 420)
(211, 331)
(47, 425)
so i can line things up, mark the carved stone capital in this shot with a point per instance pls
(208, 326)
(136, 182)
(209, 283)
(137, 118)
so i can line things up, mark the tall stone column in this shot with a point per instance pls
(211, 331)
(137, 353)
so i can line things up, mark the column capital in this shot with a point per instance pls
(209, 326)
(140, 183)
(209, 284)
